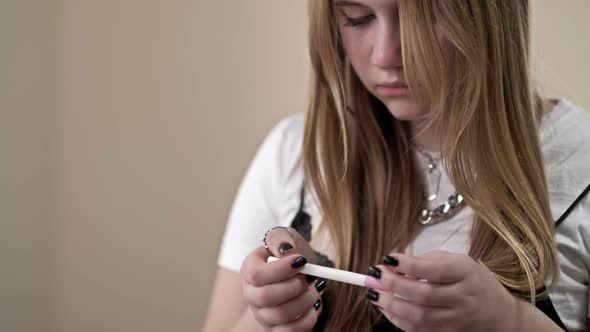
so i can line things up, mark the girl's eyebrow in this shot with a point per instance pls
(348, 3)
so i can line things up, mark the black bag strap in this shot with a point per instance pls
(302, 220)
(571, 207)
(545, 305)
(301, 198)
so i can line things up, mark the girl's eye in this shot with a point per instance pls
(357, 21)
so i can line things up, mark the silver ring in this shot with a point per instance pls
(268, 231)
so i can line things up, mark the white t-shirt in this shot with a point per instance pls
(269, 196)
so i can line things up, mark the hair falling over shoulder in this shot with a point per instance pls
(358, 161)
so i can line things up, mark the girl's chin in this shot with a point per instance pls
(403, 109)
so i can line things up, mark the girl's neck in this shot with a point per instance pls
(428, 139)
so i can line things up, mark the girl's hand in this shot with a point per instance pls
(279, 297)
(441, 291)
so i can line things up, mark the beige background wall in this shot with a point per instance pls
(125, 127)
(27, 163)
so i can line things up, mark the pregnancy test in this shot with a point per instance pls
(338, 275)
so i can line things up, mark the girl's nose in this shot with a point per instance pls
(387, 50)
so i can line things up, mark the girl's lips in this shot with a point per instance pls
(393, 90)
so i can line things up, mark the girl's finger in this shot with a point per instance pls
(403, 310)
(294, 309)
(402, 324)
(305, 323)
(417, 291)
(438, 267)
(257, 272)
(284, 241)
(274, 294)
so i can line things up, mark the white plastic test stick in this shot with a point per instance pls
(331, 274)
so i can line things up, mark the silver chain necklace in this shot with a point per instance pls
(443, 211)
(453, 204)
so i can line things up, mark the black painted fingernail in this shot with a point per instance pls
(317, 304)
(299, 262)
(375, 272)
(320, 285)
(372, 295)
(310, 278)
(284, 247)
(390, 260)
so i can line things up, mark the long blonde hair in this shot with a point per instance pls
(358, 161)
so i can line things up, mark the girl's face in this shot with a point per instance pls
(370, 33)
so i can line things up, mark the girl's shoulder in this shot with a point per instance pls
(285, 142)
(289, 129)
(565, 144)
(565, 136)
